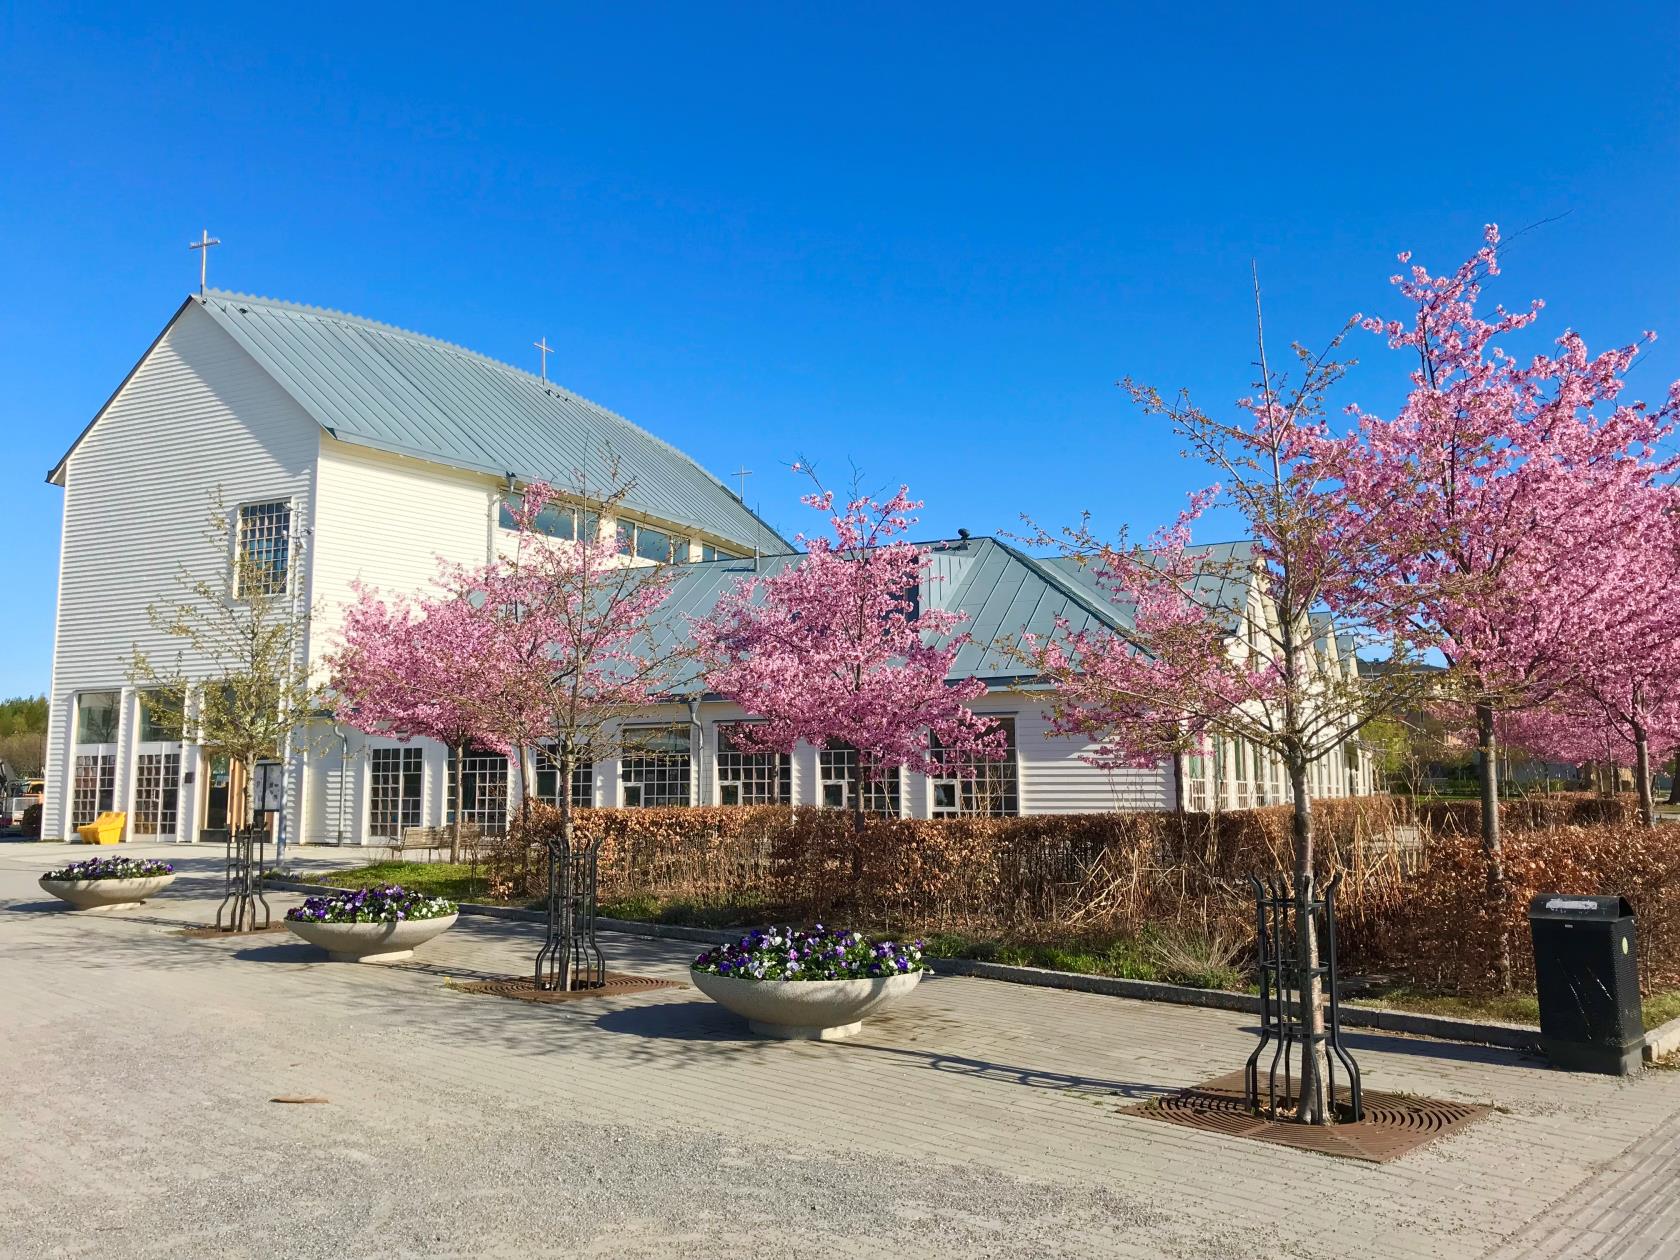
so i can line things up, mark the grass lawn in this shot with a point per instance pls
(1170, 959)
(1515, 1008)
(454, 880)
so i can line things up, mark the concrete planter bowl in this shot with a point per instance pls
(106, 894)
(804, 1010)
(372, 942)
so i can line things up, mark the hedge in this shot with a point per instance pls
(971, 874)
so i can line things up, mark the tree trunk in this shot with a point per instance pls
(1487, 772)
(1178, 783)
(860, 824)
(1674, 779)
(249, 765)
(1642, 776)
(460, 798)
(564, 787)
(1313, 1107)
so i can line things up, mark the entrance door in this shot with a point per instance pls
(223, 793)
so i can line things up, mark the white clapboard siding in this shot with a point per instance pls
(196, 416)
(1054, 780)
(386, 520)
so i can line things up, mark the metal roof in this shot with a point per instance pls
(374, 385)
(1003, 592)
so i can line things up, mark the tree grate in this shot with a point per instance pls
(524, 989)
(1393, 1125)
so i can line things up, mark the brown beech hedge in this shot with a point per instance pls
(1415, 901)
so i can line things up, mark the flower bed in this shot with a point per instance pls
(110, 868)
(391, 904)
(783, 953)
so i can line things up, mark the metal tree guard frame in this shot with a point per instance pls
(571, 957)
(243, 881)
(1284, 1016)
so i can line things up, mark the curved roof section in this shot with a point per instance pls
(374, 385)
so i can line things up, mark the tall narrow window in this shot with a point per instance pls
(157, 793)
(484, 790)
(837, 770)
(751, 778)
(264, 541)
(397, 779)
(993, 789)
(93, 789)
(656, 767)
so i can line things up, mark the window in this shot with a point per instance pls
(157, 793)
(837, 768)
(548, 782)
(749, 778)
(160, 718)
(993, 789)
(556, 520)
(264, 538)
(709, 552)
(1197, 790)
(484, 790)
(395, 787)
(655, 767)
(93, 788)
(96, 717)
(647, 543)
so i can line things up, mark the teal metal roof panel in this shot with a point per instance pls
(1000, 590)
(373, 385)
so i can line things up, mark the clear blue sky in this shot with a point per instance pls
(926, 239)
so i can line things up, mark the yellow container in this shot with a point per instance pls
(106, 829)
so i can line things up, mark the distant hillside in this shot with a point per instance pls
(23, 734)
(23, 715)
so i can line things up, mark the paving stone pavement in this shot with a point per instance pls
(976, 1119)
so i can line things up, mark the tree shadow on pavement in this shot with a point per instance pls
(706, 1022)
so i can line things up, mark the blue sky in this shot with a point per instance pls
(922, 239)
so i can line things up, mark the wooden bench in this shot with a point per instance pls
(431, 839)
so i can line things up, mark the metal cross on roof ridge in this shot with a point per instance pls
(203, 244)
(546, 351)
(742, 473)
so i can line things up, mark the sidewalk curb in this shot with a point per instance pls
(1662, 1041)
(1439, 1027)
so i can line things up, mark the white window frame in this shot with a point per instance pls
(419, 812)
(238, 544)
(781, 768)
(836, 793)
(960, 791)
(628, 753)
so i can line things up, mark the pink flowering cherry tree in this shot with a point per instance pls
(838, 648)
(1493, 477)
(413, 668)
(1621, 636)
(1231, 643)
(574, 647)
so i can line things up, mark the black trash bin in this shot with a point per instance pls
(1586, 972)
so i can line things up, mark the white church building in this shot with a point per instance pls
(346, 449)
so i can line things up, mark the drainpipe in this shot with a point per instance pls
(343, 777)
(699, 749)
